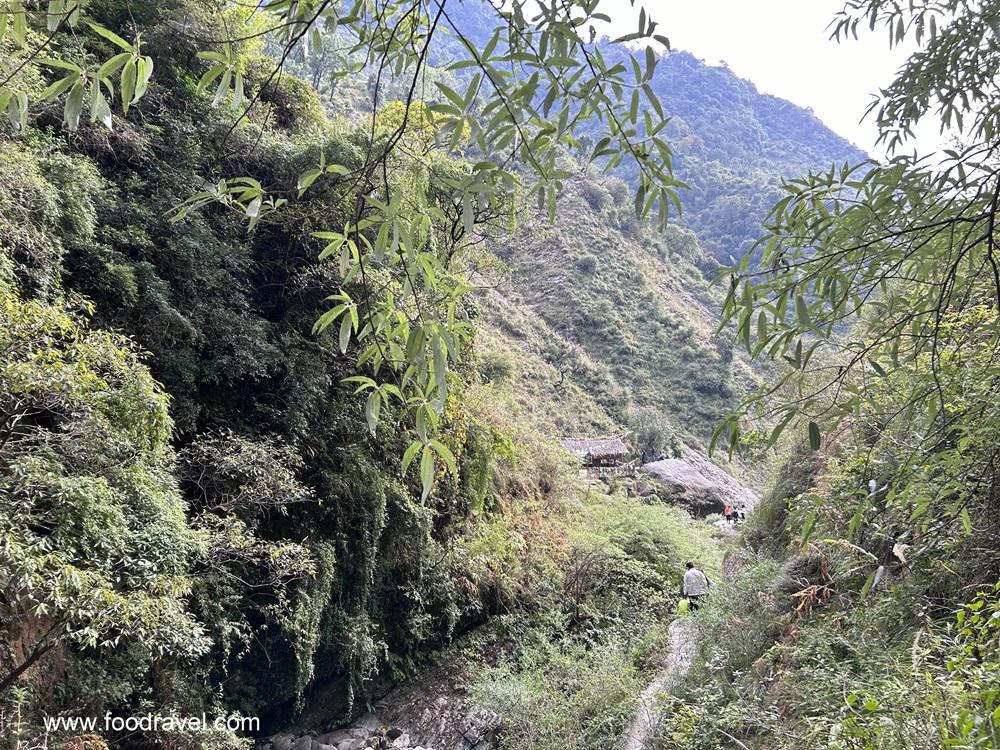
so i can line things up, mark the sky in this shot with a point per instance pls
(783, 46)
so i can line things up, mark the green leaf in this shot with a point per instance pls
(128, 79)
(802, 311)
(100, 110)
(807, 527)
(306, 179)
(411, 453)
(372, 408)
(779, 428)
(345, 333)
(223, 88)
(426, 472)
(210, 75)
(238, 91)
(112, 65)
(446, 454)
(144, 71)
(58, 88)
(815, 439)
(55, 63)
(55, 14)
(111, 36)
(327, 318)
(74, 105)
(869, 583)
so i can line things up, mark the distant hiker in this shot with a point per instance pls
(696, 585)
(727, 513)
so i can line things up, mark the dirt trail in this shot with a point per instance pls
(682, 649)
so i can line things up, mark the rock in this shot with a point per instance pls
(696, 483)
(354, 743)
(335, 737)
(402, 740)
(369, 723)
(644, 488)
(323, 746)
(282, 741)
(393, 732)
(302, 743)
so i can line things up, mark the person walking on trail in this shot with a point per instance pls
(696, 585)
(727, 513)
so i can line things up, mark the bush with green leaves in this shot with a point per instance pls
(94, 542)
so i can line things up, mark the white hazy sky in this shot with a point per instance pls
(783, 46)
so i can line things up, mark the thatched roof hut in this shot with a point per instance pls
(597, 451)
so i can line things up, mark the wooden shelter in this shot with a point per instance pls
(599, 455)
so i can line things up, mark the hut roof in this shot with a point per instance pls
(596, 447)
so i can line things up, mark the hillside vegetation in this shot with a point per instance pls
(199, 513)
(863, 611)
(629, 317)
(731, 144)
(295, 301)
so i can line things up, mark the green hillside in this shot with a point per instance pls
(731, 143)
(297, 298)
(629, 317)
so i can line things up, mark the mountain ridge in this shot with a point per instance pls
(732, 143)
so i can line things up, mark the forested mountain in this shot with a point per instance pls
(732, 144)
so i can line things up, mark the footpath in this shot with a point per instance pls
(683, 637)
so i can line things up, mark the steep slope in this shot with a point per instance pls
(628, 318)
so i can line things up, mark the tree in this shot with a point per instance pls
(518, 105)
(879, 284)
(94, 544)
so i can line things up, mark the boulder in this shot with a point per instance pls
(697, 484)
(368, 723)
(302, 743)
(282, 741)
(335, 737)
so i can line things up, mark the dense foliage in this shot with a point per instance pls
(864, 613)
(278, 386)
(259, 539)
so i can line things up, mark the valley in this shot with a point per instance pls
(302, 302)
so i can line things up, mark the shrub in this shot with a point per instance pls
(588, 263)
(496, 366)
(597, 197)
(564, 698)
